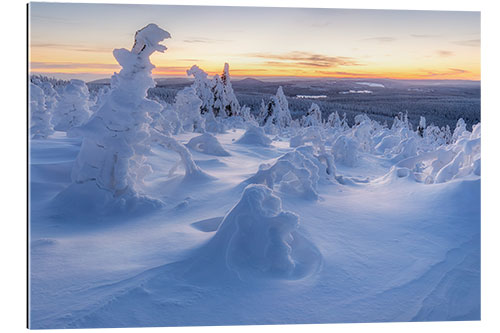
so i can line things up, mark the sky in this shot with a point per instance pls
(77, 40)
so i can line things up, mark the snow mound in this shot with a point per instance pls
(207, 144)
(306, 135)
(258, 239)
(345, 151)
(254, 136)
(296, 173)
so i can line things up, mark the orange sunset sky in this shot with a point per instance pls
(76, 41)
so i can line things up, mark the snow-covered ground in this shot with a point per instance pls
(388, 249)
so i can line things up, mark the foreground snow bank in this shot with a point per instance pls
(254, 136)
(258, 239)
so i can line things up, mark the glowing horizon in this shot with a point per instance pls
(77, 40)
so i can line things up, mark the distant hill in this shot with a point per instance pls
(249, 81)
(159, 81)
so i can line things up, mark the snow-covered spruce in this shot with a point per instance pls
(257, 239)
(207, 144)
(276, 114)
(111, 163)
(216, 94)
(74, 107)
(188, 106)
(40, 126)
(312, 117)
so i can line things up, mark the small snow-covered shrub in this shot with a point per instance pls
(254, 136)
(207, 144)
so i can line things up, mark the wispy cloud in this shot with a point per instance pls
(305, 59)
(381, 39)
(71, 65)
(444, 53)
(341, 73)
(71, 47)
(469, 42)
(423, 36)
(449, 72)
(204, 40)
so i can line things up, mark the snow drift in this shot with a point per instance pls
(257, 239)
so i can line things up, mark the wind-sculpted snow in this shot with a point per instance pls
(207, 144)
(296, 173)
(254, 135)
(258, 239)
(458, 160)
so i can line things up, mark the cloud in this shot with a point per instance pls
(305, 59)
(71, 47)
(423, 36)
(449, 72)
(204, 40)
(458, 71)
(469, 42)
(383, 39)
(444, 53)
(333, 73)
(170, 69)
(71, 65)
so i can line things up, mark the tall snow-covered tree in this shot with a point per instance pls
(217, 94)
(118, 135)
(231, 105)
(276, 112)
(203, 87)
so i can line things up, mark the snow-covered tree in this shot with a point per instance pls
(421, 127)
(460, 130)
(188, 107)
(336, 122)
(73, 108)
(203, 87)
(218, 107)
(276, 112)
(217, 94)
(40, 126)
(231, 104)
(312, 117)
(117, 136)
